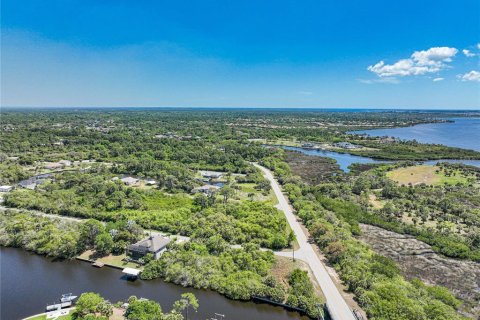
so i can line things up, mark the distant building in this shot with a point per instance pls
(345, 145)
(207, 189)
(211, 174)
(150, 182)
(257, 140)
(308, 145)
(155, 245)
(53, 165)
(6, 188)
(33, 182)
(129, 181)
(387, 140)
(29, 184)
(65, 163)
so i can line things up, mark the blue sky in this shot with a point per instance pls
(381, 54)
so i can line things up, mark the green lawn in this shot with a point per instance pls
(114, 260)
(246, 188)
(430, 175)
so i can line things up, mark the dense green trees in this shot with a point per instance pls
(375, 280)
(170, 146)
(80, 195)
(53, 238)
(143, 310)
(104, 243)
(11, 172)
(90, 305)
(236, 273)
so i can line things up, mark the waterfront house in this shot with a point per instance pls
(345, 145)
(308, 145)
(155, 245)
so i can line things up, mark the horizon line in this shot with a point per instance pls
(248, 107)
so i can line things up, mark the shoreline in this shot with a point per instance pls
(45, 313)
(254, 299)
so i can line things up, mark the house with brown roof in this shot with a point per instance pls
(155, 245)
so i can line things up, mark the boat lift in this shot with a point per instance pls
(66, 301)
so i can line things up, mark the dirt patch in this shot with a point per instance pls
(312, 169)
(373, 200)
(416, 259)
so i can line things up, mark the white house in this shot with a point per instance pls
(6, 188)
(211, 174)
(129, 181)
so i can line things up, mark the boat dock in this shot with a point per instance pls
(58, 306)
(66, 301)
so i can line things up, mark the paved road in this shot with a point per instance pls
(337, 306)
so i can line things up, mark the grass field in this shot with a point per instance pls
(114, 260)
(429, 175)
(247, 188)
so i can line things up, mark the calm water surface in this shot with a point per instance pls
(463, 133)
(29, 282)
(344, 160)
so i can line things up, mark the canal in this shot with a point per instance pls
(344, 160)
(29, 282)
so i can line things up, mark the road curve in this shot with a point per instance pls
(337, 306)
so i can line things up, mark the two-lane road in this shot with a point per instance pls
(337, 306)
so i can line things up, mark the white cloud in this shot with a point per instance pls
(470, 76)
(468, 53)
(438, 79)
(434, 56)
(404, 67)
(380, 80)
(478, 45)
(420, 62)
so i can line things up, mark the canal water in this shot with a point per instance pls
(29, 282)
(344, 160)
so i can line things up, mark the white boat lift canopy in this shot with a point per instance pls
(131, 272)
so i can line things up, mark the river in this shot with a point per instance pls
(462, 133)
(29, 282)
(344, 160)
